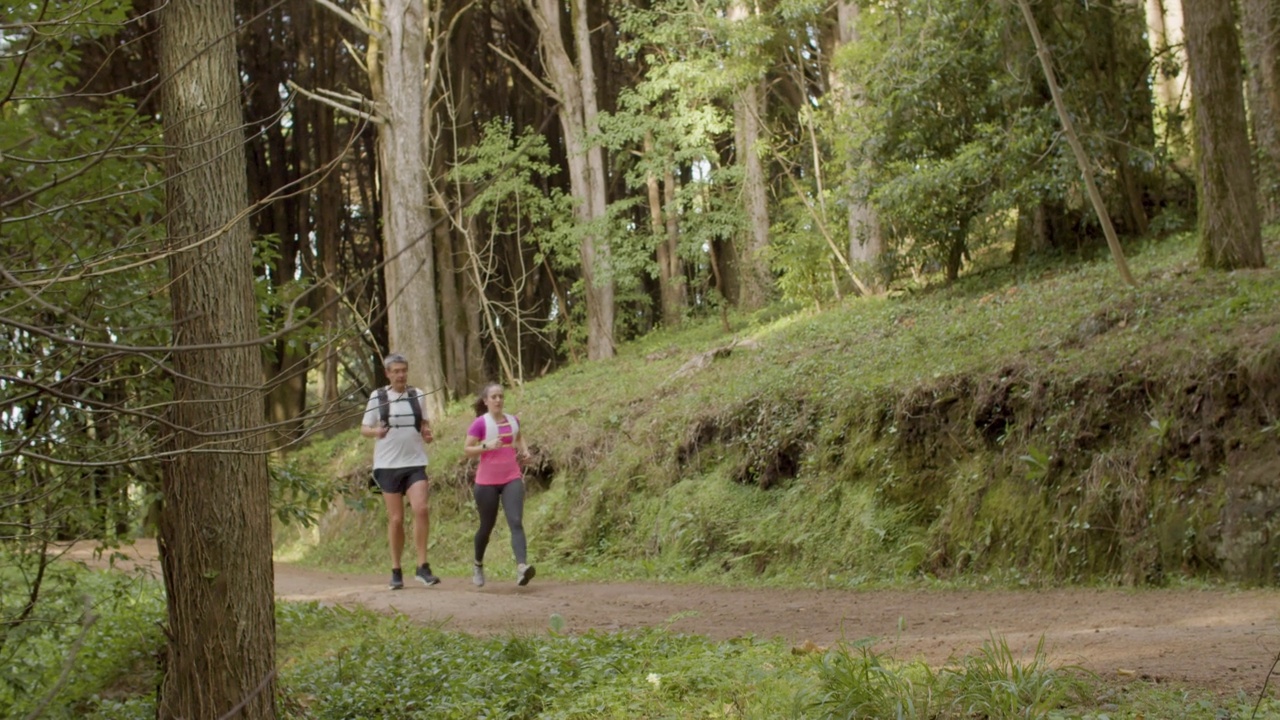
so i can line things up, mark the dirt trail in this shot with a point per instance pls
(1221, 640)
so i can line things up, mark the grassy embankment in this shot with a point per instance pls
(1036, 425)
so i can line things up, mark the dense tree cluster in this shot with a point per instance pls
(497, 187)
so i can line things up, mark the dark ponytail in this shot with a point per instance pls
(479, 405)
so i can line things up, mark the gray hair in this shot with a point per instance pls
(392, 359)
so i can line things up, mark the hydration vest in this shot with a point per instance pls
(491, 427)
(384, 406)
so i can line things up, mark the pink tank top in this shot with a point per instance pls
(497, 467)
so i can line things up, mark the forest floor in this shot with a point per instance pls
(1221, 640)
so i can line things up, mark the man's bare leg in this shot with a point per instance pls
(395, 525)
(419, 500)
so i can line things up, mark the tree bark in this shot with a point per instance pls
(1260, 23)
(461, 367)
(472, 351)
(215, 528)
(674, 274)
(328, 222)
(575, 88)
(1032, 236)
(1164, 33)
(328, 208)
(413, 316)
(866, 241)
(1117, 35)
(1230, 230)
(748, 114)
(664, 225)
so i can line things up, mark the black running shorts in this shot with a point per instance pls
(397, 480)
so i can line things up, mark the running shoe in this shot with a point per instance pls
(477, 575)
(425, 577)
(524, 573)
(397, 579)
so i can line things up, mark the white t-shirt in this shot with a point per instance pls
(403, 446)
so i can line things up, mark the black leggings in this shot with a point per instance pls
(512, 497)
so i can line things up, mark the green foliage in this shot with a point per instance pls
(86, 650)
(668, 127)
(942, 146)
(356, 664)
(299, 496)
(807, 271)
(856, 682)
(995, 684)
(952, 134)
(344, 663)
(508, 172)
(101, 636)
(283, 303)
(81, 219)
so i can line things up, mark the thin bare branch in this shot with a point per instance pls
(533, 78)
(332, 101)
(350, 18)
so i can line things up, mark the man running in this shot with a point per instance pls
(395, 419)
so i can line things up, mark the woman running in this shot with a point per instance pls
(495, 438)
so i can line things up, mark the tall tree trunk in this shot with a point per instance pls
(675, 274)
(458, 102)
(215, 528)
(1031, 236)
(328, 222)
(473, 348)
(1164, 33)
(413, 317)
(321, 48)
(866, 241)
(575, 88)
(451, 320)
(664, 225)
(1260, 22)
(278, 157)
(1230, 232)
(1118, 30)
(748, 124)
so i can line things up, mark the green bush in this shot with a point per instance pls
(88, 649)
(359, 664)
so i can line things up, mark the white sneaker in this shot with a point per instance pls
(477, 575)
(524, 573)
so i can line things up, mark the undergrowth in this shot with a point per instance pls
(88, 649)
(336, 662)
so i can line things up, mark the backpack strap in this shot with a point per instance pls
(491, 427)
(413, 394)
(384, 406)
